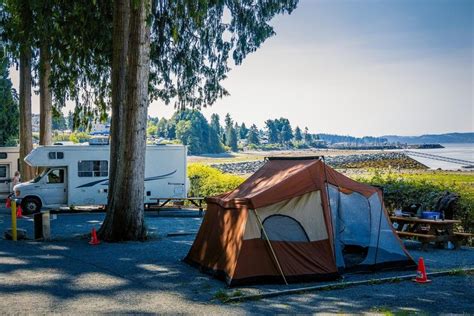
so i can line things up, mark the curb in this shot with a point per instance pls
(340, 285)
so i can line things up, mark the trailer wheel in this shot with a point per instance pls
(31, 205)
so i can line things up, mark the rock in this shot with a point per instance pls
(378, 160)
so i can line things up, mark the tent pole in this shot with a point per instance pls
(271, 248)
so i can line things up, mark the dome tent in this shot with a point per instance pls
(296, 219)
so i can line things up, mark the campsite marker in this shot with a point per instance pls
(94, 240)
(421, 276)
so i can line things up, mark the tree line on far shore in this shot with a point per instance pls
(191, 128)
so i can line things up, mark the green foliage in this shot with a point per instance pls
(298, 136)
(252, 136)
(61, 137)
(152, 129)
(208, 181)
(243, 131)
(192, 129)
(426, 188)
(59, 121)
(9, 112)
(279, 131)
(79, 137)
(308, 138)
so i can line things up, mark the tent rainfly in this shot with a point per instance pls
(296, 220)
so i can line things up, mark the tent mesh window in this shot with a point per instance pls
(284, 228)
(356, 227)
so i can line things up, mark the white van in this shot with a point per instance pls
(9, 163)
(78, 176)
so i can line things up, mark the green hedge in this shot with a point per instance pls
(400, 189)
(427, 188)
(208, 181)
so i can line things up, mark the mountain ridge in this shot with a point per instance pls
(464, 138)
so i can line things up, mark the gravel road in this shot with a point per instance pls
(67, 275)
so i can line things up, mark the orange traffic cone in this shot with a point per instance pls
(19, 212)
(421, 276)
(94, 239)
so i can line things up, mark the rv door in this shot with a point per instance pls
(55, 187)
(4, 179)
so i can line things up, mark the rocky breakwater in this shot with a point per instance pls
(362, 161)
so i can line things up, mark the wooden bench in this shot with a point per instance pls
(464, 235)
(423, 238)
(460, 237)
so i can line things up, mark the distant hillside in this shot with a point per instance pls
(430, 139)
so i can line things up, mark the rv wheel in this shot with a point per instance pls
(31, 205)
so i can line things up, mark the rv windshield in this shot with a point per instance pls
(40, 176)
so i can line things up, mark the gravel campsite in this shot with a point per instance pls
(67, 275)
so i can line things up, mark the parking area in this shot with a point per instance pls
(67, 275)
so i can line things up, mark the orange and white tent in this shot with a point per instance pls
(296, 220)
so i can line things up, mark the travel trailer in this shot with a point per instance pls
(78, 176)
(9, 163)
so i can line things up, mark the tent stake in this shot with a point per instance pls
(271, 248)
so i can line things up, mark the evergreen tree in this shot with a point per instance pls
(232, 138)
(286, 134)
(272, 131)
(215, 123)
(70, 120)
(298, 136)
(228, 128)
(162, 128)
(307, 136)
(9, 112)
(252, 135)
(243, 131)
(237, 130)
(59, 121)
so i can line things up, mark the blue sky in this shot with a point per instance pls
(359, 67)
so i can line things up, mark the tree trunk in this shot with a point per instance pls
(125, 214)
(26, 142)
(46, 102)
(121, 20)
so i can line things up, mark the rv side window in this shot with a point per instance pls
(3, 155)
(93, 168)
(56, 155)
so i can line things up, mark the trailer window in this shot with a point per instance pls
(3, 171)
(56, 155)
(3, 155)
(93, 168)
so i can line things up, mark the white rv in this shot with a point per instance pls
(9, 163)
(78, 176)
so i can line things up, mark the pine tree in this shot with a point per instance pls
(298, 136)
(252, 135)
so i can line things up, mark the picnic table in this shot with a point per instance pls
(163, 201)
(429, 230)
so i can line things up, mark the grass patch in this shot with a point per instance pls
(459, 272)
(224, 296)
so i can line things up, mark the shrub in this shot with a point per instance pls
(426, 188)
(208, 181)
(79, 137)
